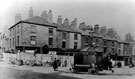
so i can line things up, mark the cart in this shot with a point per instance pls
(91, 62)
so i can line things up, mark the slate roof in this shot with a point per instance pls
(44, 22)
(83, 32)
(66, 28)
(38, 20)
(86, 32)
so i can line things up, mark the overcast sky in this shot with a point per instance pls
(119, 14)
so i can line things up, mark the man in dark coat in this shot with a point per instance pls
(55, 64)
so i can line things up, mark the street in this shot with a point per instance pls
(25, 72)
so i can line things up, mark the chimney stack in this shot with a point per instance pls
(82, 25)
(74, 23)
(44, 15)
(17, 18)
(50, 17)
(66, 22)
(30, 12)
(59, 20)
(96, 28)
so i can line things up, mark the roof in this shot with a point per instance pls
(86, 32)
(83, 32)
(67, 28)
(109, 38)
(41, 21)
(35, 20)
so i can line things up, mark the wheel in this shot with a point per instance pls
(92, 71)
(75, 71)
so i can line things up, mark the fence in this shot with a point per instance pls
(65, 61)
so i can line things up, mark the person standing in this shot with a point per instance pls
(55, 65)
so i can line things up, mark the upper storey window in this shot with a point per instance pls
(64, 35)
(33, 29)
(50, 31)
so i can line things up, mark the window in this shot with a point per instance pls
(50, 41)
(18, 29)
(75, 45)
(33, 29)
(13, 31)
(75, 37)
(10, 32)
(10, 43)
(63, 44)
(86, 39)
(97, 40)
(50, 31)
(105, 43)
(33, 40)
(17, 40)
(113, 51)
(63, 35)
(13, 41)
(119, 52)
(113, 44)
(119, 45)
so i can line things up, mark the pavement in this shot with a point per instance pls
(8, 71)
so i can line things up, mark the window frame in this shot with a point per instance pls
(31, 39)
(33, 29)
(75, 44)
(64, 35)
(18, 28)
(87, 39)
(75, 36)
(50, 43)
(50, 31)
(18, 40)
(63, 46)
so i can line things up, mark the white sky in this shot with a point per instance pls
(119, 14)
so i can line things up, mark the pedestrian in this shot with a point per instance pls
(55, 64)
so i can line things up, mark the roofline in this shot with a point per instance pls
(110, 39)
(32, 23)
(68, 31)
(39, 24)
(121, 41)
(15, 24)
